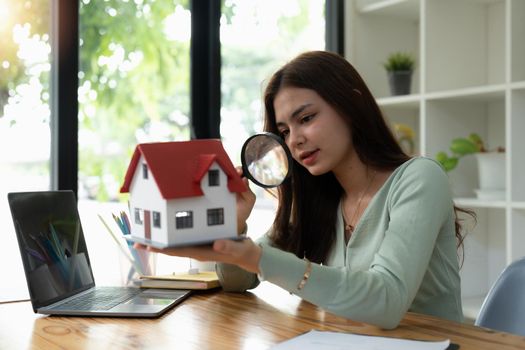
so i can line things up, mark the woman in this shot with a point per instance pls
(361, 230)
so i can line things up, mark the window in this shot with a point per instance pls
(184, 219)
(25, 119)
(134, 63)
(257, 37)
(144, 171)
(138, 216)
(213, 177)
(156, 219)
(215, 216)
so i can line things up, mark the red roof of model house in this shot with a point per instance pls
(178, 167)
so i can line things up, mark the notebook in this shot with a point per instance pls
(57, 266)
(201, 280)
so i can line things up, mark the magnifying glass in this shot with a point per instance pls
(266, 160)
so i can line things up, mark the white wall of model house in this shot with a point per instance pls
(145, 195)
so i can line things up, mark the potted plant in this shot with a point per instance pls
(491, 164)
(399, 67)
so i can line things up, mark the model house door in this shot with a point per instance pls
(147, 224)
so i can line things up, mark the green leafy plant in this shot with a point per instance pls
(461, 147)
(399, 61)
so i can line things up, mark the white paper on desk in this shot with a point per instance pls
(324, 340)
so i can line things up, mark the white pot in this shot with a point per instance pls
(491, 171)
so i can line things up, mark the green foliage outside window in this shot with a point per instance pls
(140, 76)
(12, 67)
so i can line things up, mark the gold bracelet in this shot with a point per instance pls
(306, 274)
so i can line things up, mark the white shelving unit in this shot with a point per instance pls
(469, 77)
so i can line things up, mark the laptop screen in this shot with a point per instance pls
(52, 245)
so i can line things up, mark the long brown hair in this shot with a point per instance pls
(305, 223)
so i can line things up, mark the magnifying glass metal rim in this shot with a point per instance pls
(281, 142)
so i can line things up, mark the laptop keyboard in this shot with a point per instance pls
(100, 298)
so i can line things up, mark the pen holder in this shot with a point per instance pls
(142, 262)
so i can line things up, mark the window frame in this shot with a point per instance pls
(138, 216)
(64, 94)
(184, 222)
(214, 178)
(155, 218)
(215, 216)
(145, 172)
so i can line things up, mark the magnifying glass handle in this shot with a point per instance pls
(242, 173)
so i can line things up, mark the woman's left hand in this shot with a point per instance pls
(245, 253)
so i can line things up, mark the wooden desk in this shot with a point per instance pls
(218, 320)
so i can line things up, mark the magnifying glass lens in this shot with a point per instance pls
(266, 160)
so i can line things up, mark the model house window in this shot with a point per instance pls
(184, 219)
(156, 219)
(144, 171)
(215, 216)
(138, 216)
(213, 177)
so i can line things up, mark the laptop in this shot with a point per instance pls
(57, 266)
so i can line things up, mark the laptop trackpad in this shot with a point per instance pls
(143, 304)
(140, 300)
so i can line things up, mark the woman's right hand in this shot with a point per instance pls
(244, 253)
(245, 203)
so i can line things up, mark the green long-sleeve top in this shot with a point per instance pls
(402, 256)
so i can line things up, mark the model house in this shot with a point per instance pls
(182, 193)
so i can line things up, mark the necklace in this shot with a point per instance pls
(348, 227)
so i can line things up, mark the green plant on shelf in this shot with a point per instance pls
(399, 61)
(461, 147)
